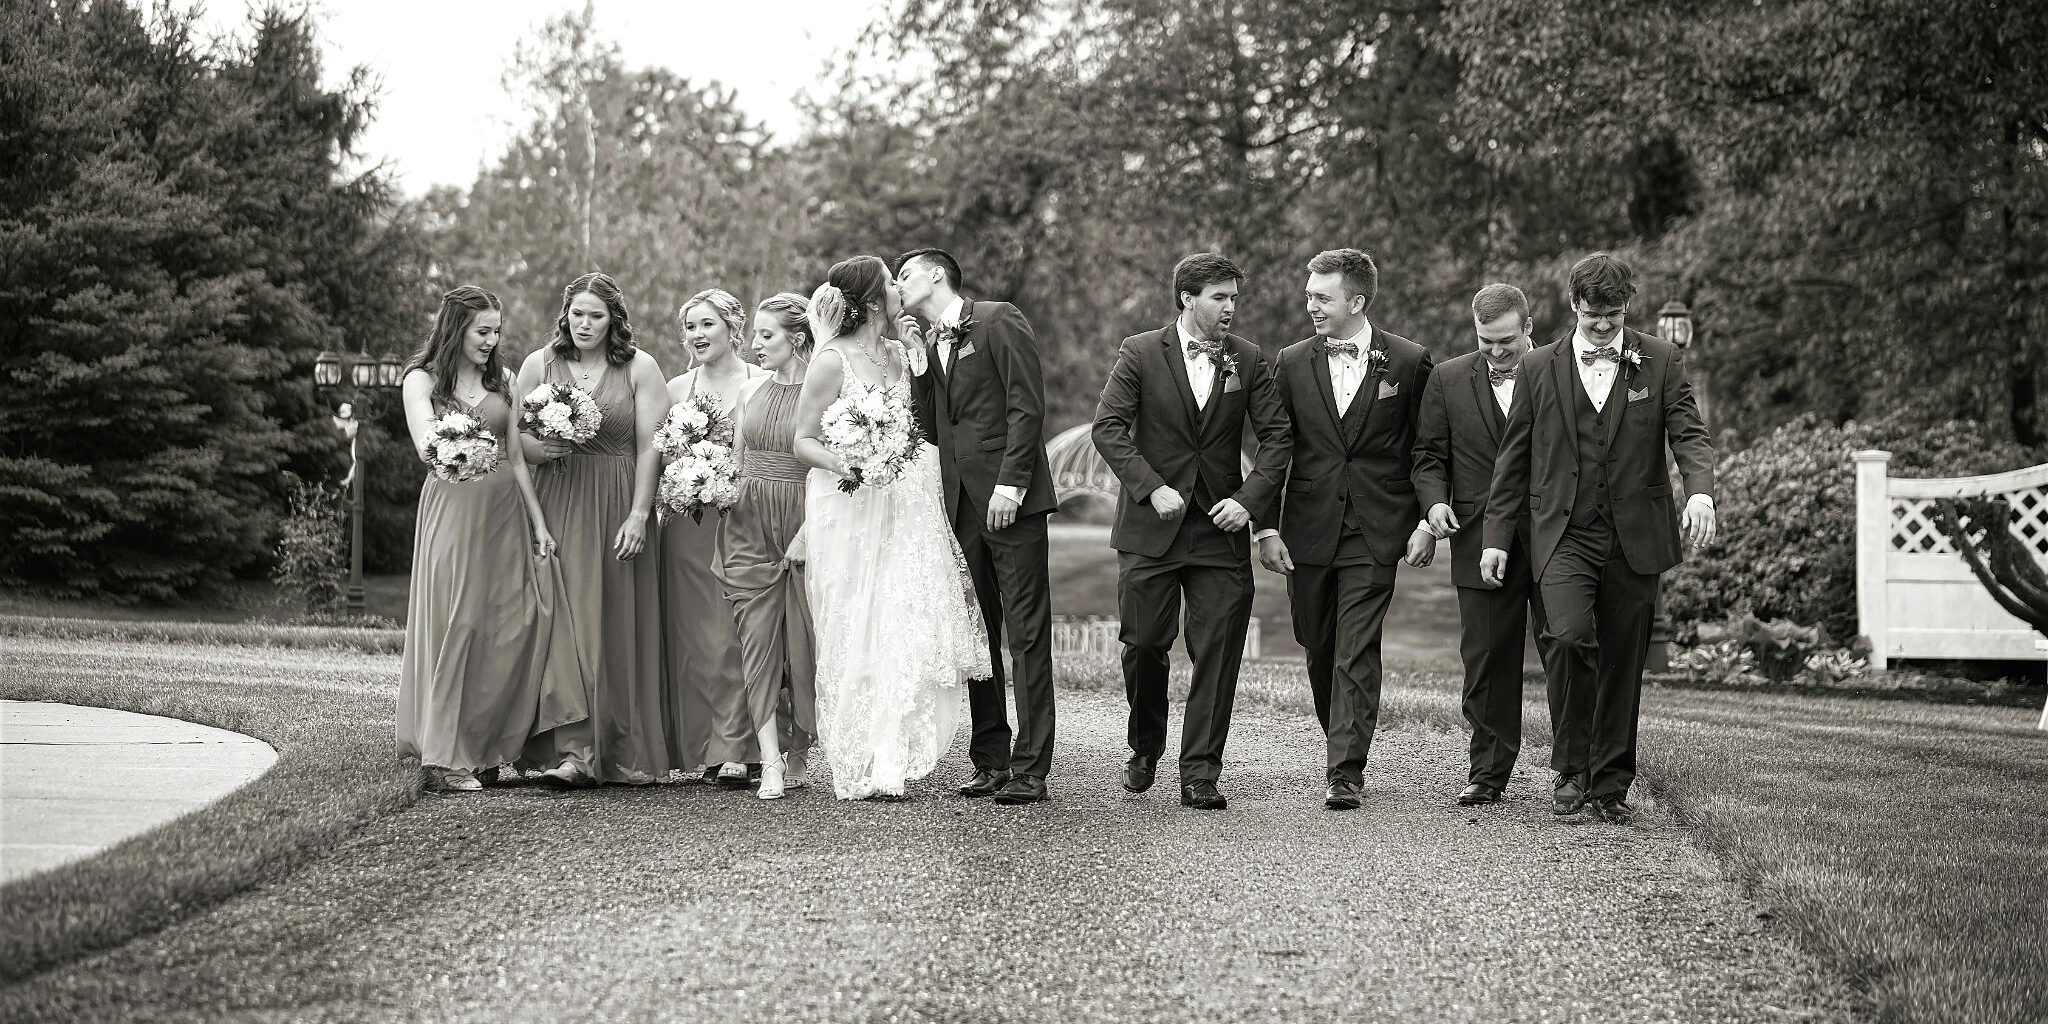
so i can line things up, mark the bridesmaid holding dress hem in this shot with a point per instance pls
(760, 547)
(704, 690)
(597, 495)
(489, 657)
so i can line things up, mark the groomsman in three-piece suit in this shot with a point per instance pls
(1171, 426)
(1464, 413)
(980, 397)
(1582, 460)
(1351, 394)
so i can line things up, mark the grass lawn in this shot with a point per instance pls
(328, 713)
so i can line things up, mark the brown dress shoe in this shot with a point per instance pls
(1569, 797)
(1139, 773)
(984, 783)
(1202, 795)
(1022, 789)
(1344, 796)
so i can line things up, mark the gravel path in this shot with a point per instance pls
(688, 903)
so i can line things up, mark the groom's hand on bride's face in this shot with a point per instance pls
(906, 329)
(1167, 502)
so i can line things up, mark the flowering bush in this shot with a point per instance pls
(1787, 509)
(311, 550)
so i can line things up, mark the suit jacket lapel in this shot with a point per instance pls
(1618, 394)
(1367, 397)
(1177, 365)
(1489, 408)
(960, 343)
(1566, 377)
(1328, 388)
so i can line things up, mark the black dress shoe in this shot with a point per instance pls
(1479, 793)
(1569, 797)
(1343, 796)
(984, 783)
(1613, 810)
(1202, 795)
(1022, 789)
(1139, 772)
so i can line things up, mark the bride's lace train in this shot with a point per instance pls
(898, 629)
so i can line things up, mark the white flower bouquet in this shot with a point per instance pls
(875, 434)
(459, 448)
(702, 472)
(560, 412)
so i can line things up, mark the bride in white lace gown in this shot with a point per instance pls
(898, 630)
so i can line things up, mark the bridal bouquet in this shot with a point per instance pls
(459, 448)
(560, 412)
(702, 472)
(875, 434)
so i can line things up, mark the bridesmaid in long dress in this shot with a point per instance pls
(761, 557)
(700, 652)
(487, 661)
(597, 495)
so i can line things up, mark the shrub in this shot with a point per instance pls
(311, 550)
(1779, 648)
(1787, 508)
(1721, 663)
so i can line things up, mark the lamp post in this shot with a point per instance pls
(1674, 325)
(366, 374)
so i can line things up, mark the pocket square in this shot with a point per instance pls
(1637, 396)
(1389, 390)
(1231, 383)
(965, 351)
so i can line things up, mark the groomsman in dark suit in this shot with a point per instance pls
(1351, 394)
(981, 401)
(1464, 412)
(1582, 460)
(1171, 426)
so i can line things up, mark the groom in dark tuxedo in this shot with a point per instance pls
(980, 399)
(1171, 426)
(1464, 412)
(1348, 512)
(1582, 462)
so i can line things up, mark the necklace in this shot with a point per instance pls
(881, 361)
(471, 394)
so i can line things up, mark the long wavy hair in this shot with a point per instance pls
(618, 346)
(441, 354)
(788, 310)
(863, 280)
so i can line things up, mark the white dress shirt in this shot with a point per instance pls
(1599, 377)
(1347, 372)
(1504, 394)
(1201, 371)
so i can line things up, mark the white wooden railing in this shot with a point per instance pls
(1915, 596)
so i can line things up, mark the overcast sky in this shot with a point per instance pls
(442, 108)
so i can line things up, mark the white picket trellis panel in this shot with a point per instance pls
(1915, 596)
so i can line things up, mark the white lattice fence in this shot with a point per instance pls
(1915, 595)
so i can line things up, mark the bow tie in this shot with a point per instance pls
(1199, 348)
(1341, 348)
(1495, 377)
(1607, 352)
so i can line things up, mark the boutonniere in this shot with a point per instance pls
(1376, 362)
(1633, 356)
(1226, 365)
(952, 333)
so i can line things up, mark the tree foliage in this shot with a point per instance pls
(180, 240)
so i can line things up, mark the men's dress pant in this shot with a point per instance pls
(1600, 612)
(1217, 585)
(1493, 621)
(1340, 614)
(1011, 581)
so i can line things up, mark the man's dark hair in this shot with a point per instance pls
(1198, 272)
(1360, 276)
(1602, 281)
(937, 257)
